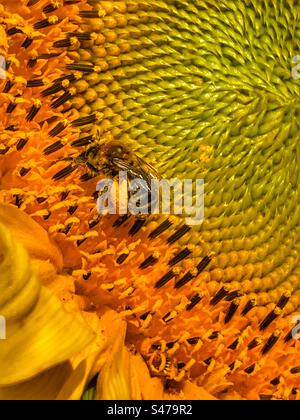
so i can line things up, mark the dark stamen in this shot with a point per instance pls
(72, 209)
(62, 43)
(184, 280)
(91, 119)
(86, 177)
(180, 257)
(67, 229)
(145, 316)
(290, 334)
(219, 296)
(122, 258)
(11, 107)
(70, 77)
(165, 279)
(21, 144)
(295, 370)
(194, 301)
(181, 365)
(87, 276)
(24, 171)
(283, 301)
(14, 31)
(269, 319)
(250, 369)
(270, 343)
(35, 83)
(85, 68)
(56, 87)
(275, 381)
(85, 141)
(41, 200)
(8, 86)
(12, 128)
(47, 216)
(61, 100)
(233, 346)
(160, 229)
(193, 341)
(167, 318)
(148, 262)
(249, 305)
(53, 148)
(64, 172)
(18, 200)
(57, 129)
(137, 227)
(64, 195)
(81, 241)
(32, 2)
(48, 56)
(49, 8)
(44, 24)
(32, 112)
(89, 14)
(208, 361)
(179, 234)
(28, 41)
(233, 295)
(203, 264)
(4, 151)
(121, 221)
(32, 62)
(232, 365)
(231, 311)
(214, 336)
(254, 343)
(94, 223)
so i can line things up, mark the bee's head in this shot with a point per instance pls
(116, 150)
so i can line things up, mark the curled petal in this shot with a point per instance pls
(40, 333)
(30, 234)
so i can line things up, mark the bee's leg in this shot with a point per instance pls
(92, 172)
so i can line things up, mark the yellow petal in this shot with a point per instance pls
(86, 363)
(143, 386)
(40, 333)
(30, 234)
(191, 391)
(45, 270)
(114, 381)
(45, 386)
(74, 387)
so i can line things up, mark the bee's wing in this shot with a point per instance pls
(134, 171)
(153, 173)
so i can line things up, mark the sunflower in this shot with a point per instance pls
(121, 307)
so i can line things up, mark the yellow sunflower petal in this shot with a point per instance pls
(143, 386)
(114, 382)
(45, 386)
(40, 333)
(86, 363)
(191, 392)
(30, 234)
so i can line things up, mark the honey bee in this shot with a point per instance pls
(112, 157)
